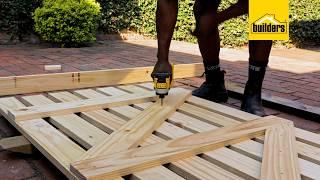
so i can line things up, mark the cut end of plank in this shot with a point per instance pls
(52, 67)
(18, 144)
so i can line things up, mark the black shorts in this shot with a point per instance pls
(210, 3)
(202, 6)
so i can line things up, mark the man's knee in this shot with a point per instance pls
(206, 8)
(202, 7)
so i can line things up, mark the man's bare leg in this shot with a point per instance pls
(166, 17)
(207, 21)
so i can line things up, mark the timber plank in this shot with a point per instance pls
(234, 162)
(100, 118)
(221, 109)
(138, 159)
(204, 170)
(280, 156)
(44, 137)
(75, 127)
(17, 144)
(208, 116)
(84, 79)
(78, 106)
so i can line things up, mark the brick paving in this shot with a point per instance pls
(289, 76)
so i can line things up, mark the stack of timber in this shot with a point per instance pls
(122, 132)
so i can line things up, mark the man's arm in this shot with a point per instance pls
(235, 10)
(166, 17)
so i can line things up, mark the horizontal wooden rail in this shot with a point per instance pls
(84, 79)
(42, 111)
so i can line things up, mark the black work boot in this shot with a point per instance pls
(213, 89)
(252, 102)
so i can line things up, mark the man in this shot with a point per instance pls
(207, 21)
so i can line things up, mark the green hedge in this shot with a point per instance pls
(304, 26)
(305, 22)
(67, 22)
(16, 17)
(139, 16)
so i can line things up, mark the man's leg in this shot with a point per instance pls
(206, 31)
(258, 62)
(207, 21)
(166, 17)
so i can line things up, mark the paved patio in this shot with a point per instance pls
(293, 74)
(295, 79)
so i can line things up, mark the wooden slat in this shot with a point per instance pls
(193, 167)
(44, 137)
(222, 109)
(138, 159)
(99, 118)
(133, 133)
(208, 116)
(78, 106)
(309, 170)
(16, 144)
(109, 122)
(75, 127)
(280, 156)
(74, 80)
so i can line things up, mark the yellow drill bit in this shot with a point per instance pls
(161, 101)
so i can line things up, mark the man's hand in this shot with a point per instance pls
(162, 67)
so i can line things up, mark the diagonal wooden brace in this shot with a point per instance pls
(280, 156)
(138, 159)
(133, 133)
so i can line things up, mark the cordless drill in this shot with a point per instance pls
(162, 83)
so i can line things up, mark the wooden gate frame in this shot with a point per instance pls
(119, 154)
(280, 153)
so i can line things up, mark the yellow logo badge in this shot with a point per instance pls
(268, 20)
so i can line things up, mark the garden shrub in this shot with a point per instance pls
(67, 22)
(16, 17)
(305, 22)
(118, 15)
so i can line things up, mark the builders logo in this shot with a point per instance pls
(268, 24)
(268, 20)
